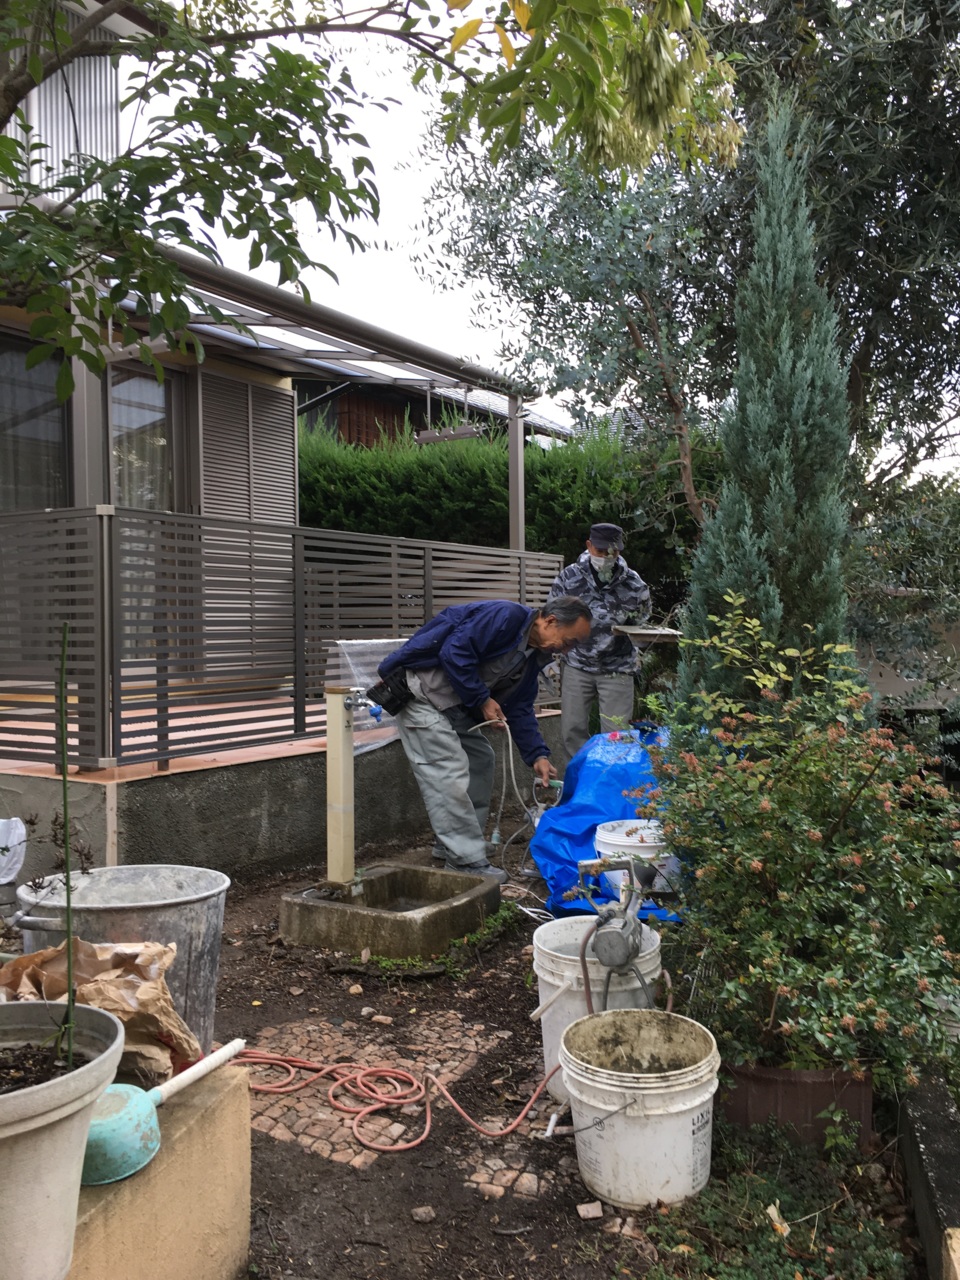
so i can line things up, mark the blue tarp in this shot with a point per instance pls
(596, 788)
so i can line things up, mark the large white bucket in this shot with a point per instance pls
(556, 962)
(641, 1085)
(634, 837)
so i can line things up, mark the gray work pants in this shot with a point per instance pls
(579, 690)
(454, 771)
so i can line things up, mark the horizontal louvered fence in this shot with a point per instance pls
(190, 635)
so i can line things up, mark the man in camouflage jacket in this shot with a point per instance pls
(600, 670)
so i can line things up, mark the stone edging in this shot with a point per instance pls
(930, 1142)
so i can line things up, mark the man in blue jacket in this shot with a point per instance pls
(474, 664)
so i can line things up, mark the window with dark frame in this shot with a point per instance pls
(143, 440)
(34, 449)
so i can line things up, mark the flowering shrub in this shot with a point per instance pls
(820, 857)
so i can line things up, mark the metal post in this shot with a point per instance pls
(299, 634)
(515, 454)
(340, 812)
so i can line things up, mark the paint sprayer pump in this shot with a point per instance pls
(617, 937)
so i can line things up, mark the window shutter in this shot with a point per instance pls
(225, 447)
(274, 453)
(248, 450)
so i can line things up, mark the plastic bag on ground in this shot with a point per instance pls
(13, 848)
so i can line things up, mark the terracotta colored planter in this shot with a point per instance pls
(751, 1095)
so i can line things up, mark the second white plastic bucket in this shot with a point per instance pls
(641, 1085)
(636, 837)
(556, 962)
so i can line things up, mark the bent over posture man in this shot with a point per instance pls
(601, 669)
(474, 664)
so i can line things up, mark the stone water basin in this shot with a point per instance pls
(397, 911)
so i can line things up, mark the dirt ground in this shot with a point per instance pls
(490, 1209)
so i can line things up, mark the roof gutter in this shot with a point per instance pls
(279, 302)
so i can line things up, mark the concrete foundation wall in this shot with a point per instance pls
(269, 814)
(22, 796)
(243, 819)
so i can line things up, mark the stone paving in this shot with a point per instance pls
(446, 1045)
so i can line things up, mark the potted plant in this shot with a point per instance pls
(819, 857)
(66, 1054)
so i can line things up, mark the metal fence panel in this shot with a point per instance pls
(51, 573)
(194, 634)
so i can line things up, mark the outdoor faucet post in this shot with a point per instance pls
(340, 805)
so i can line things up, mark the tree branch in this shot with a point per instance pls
(681, 428)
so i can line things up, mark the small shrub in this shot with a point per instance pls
(820, 857)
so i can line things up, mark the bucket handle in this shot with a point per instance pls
(542, 1009)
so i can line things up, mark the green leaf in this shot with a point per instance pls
(65, 383)
(581, 55)
(37, 355)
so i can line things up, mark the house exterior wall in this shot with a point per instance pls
(245, 819)
(363, 417)
(76, 110)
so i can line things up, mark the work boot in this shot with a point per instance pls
(439, 851)
(481, 869)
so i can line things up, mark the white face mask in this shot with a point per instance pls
(604, 565)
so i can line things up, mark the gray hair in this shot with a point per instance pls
(567, 610)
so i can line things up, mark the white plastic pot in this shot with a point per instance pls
(43, 1136)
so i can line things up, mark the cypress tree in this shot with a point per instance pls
(778, 531)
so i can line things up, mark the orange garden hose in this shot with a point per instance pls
(376, 1088)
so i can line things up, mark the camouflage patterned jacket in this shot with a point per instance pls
(624, 599)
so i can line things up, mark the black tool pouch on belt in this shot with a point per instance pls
(392, 692)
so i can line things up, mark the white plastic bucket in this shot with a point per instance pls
(630, 837)
(556, 962)
(641, 1085)
(636, 838)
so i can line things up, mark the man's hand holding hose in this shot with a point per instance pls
(492, 713)
(544, 770)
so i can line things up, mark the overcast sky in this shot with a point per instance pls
(381, 285)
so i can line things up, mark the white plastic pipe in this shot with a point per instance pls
(199, 1069)
(541, 1009)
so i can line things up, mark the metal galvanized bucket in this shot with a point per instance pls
(151, 903)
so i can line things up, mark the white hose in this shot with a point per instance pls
(488, 724)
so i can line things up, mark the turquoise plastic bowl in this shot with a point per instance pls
(124, 1135)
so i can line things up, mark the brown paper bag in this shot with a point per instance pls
(127, 980)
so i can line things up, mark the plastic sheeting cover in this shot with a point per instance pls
(605, 768)
(353, 664)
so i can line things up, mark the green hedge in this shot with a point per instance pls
(457, 491)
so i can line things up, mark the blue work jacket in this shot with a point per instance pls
(461, 639)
